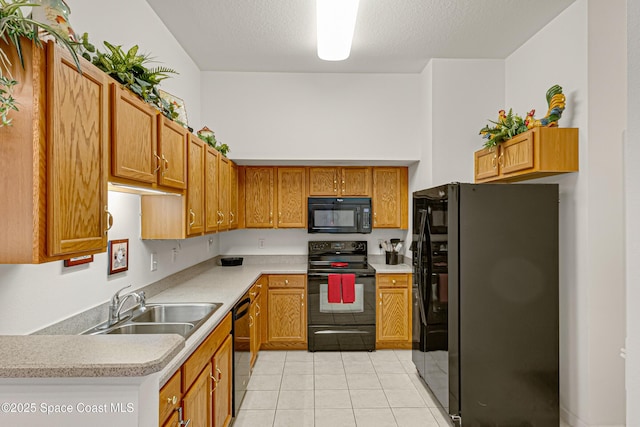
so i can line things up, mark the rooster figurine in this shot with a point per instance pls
(556, 101)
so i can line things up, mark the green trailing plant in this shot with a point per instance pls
(14, 27)
(210, 139)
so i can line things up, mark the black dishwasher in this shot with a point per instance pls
(241, 350)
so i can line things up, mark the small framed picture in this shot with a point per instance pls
(179, 106)
(118, 256)
(78, 260)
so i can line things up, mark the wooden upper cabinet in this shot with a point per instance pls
(292, 197)
(390, 197)
(76, 155)
(533, 154)
(172, 149)
(258, 189)
(340, 181)
(356, 182)
(224, 189)
(195, 189)
(211, 190)
(134, 137)
(233, 196)
(53, 160)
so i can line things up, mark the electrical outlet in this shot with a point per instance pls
(261, 243)
(174, 254)
(154, 261)
(209, 244)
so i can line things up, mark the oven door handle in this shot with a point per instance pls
(329, 331)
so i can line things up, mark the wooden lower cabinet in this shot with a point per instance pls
(223, 384)
(286, 312)
(196, 403)
(204, 382)
(393, 316)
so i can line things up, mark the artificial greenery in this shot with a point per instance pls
(210, 138)
(507, 126)
(131, 69)
(14, 26)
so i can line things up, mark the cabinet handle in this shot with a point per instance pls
(375, 218)
(231, 217)
(158, 162)
(253, 294)
(494, 161)
(343, 187)
(109, 220)
(172, 400)
(182, 422)
(166, 164)
(250, 321)
(259, 286)
(270, 217)
(286, 281)
(193, 215)
(219, 216)
(219, 373)
(393, 281)
(222, 215)
(501, 160)
(215, 381)
(258, 311)
(279, 217)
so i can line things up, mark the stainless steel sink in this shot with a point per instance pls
(152, 328)
(175, 312)
(157, 318)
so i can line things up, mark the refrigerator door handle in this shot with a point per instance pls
(420, 269)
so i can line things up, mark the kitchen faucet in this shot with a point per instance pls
(117, 301)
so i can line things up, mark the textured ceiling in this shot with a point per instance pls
(391, 36)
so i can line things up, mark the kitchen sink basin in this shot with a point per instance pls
(152, 328)
(170, 313)
(157, 318)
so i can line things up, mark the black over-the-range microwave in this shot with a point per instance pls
(339, 215)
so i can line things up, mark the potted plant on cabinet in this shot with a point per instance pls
(15, 28)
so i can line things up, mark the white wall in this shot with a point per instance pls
(34, 296)
(575, 51)
(466, 93)
(293, 116)
(632, 184)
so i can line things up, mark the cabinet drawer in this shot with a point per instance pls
(286, 281)
(170, 397)
(203, 354)
(393, 280)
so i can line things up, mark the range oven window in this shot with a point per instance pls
(329, 307)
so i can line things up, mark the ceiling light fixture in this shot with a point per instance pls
(336, 23)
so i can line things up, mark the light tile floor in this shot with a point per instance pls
(332, 389)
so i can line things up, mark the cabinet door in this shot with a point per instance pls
(211, 190)
(172, 146)
(222, 394)
(356, 181)
(134, 137)
(170, 398)
(195, 189)
(292, 198)
(196, 402)
(386, 201)
(393, 321)
(76, 156)
(258, 186)
(224, 172)
(287, 315)
(516, 154)
(486, 164)
(323, 181)
(233, 196)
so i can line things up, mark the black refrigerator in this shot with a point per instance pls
(485, 324)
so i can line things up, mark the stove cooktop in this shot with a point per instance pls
(338, 257)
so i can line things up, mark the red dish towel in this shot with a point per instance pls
(348, 288)
(333, 292)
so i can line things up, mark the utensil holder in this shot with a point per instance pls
(391, 258)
